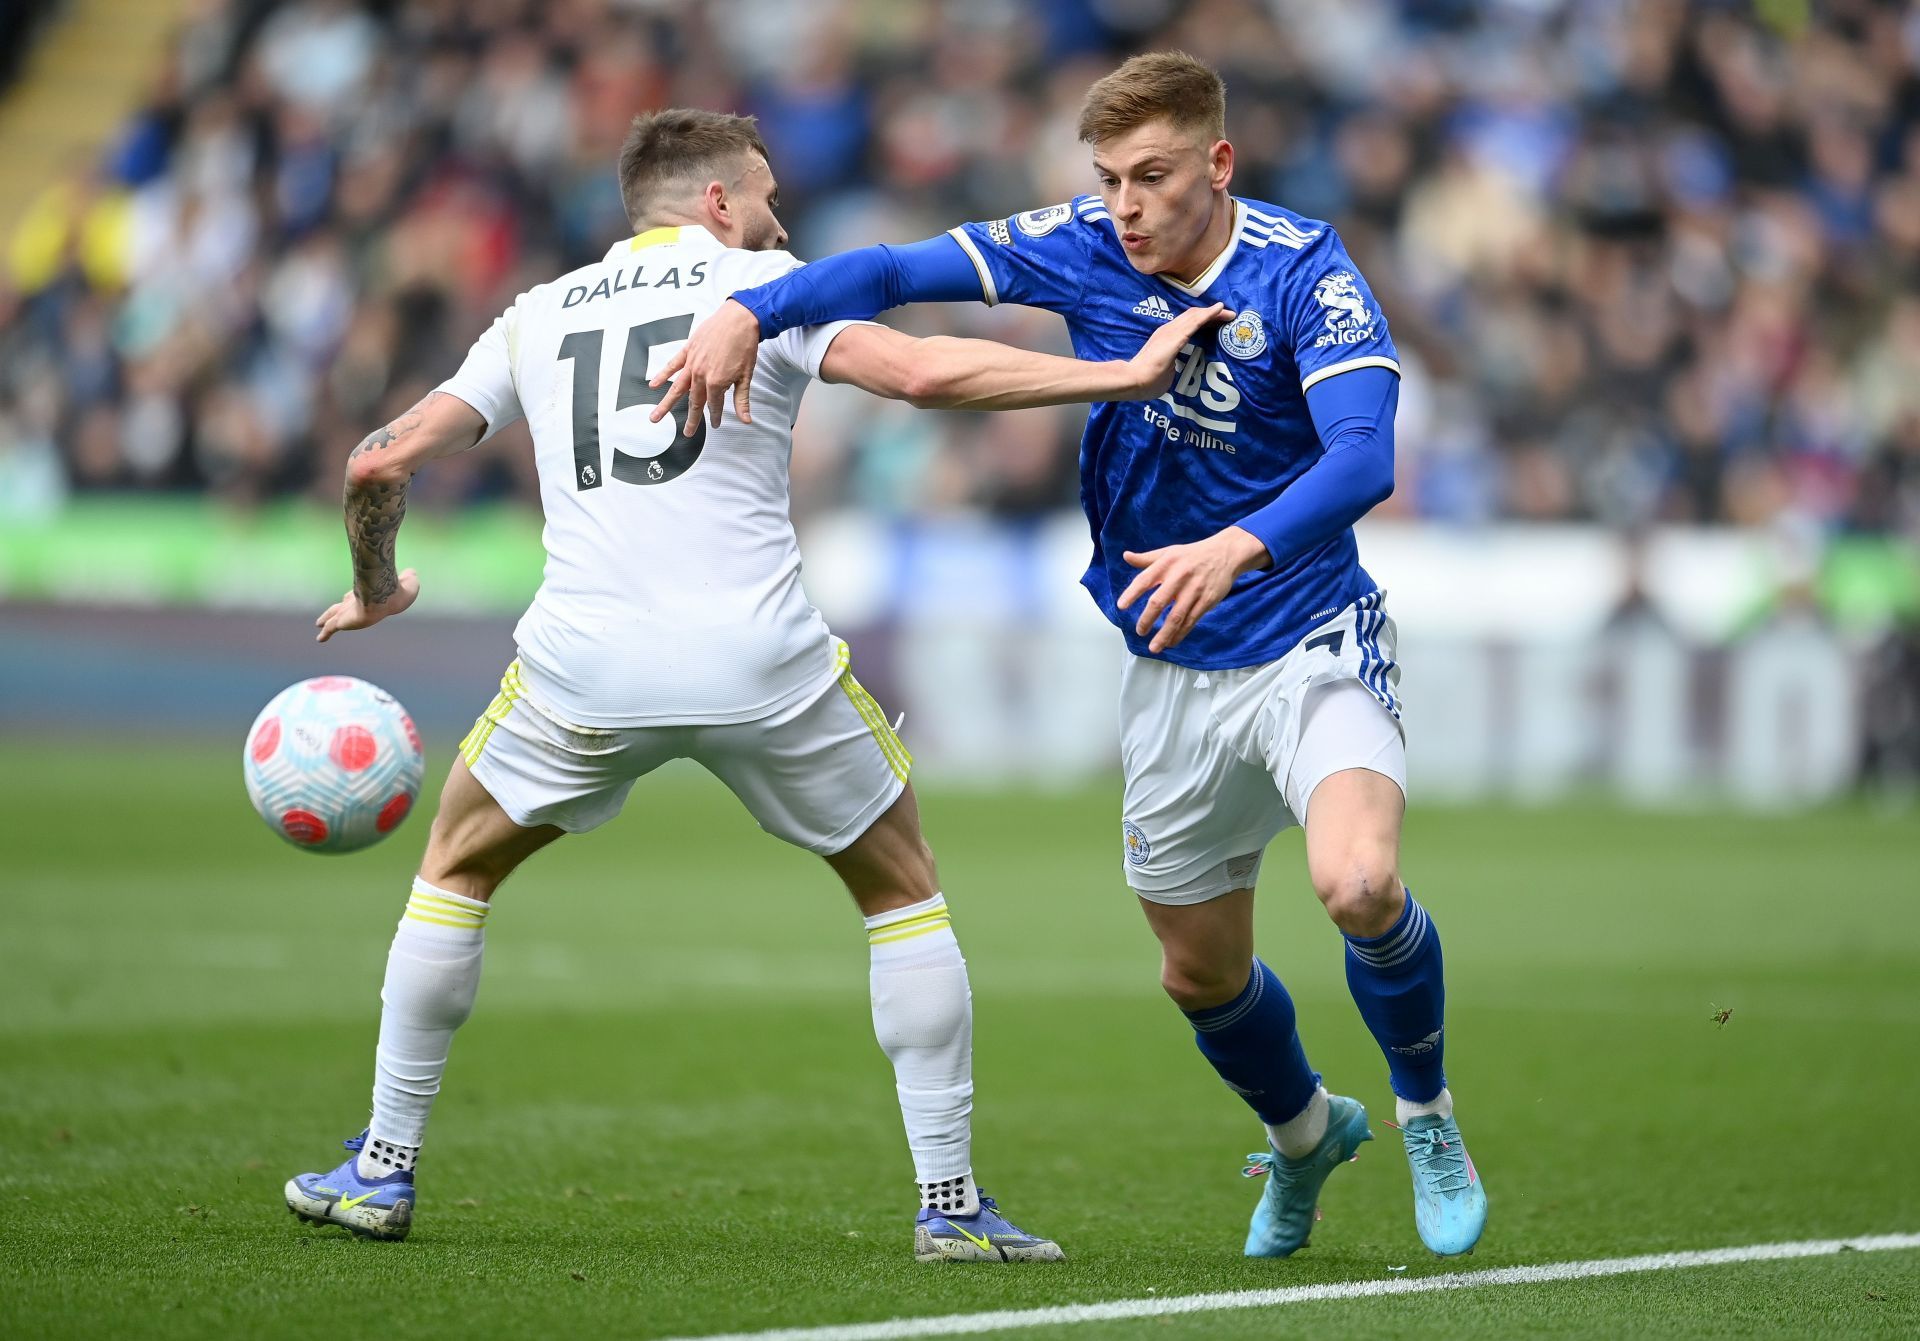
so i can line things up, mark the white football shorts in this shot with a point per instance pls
(817, 773)
(1217, 763)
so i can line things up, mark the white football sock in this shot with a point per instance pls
(383, 1157)
(1297, 1136)
(1441, 1105)
(957, 1197)
(433, 971)
(923, 1019)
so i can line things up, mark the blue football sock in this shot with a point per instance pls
(1397, 982)
(1252, 1043)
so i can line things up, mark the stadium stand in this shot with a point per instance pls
(1654, 261)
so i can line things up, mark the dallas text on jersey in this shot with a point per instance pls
(636, 279)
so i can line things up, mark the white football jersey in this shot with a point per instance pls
(672, 587)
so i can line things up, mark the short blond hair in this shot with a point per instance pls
(1172, 84)
(670, 151)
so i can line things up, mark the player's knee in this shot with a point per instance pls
(1362, 894)
(1197, 985)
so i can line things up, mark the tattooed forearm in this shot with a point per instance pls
(376, 502)
(374, 513)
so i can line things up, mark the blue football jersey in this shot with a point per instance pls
(1232, 433)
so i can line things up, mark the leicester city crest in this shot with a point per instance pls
(1245, 335)
(1038, 223)
(1138, 848)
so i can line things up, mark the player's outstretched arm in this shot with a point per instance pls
(375, 499)
(943, 372)
(856, 284)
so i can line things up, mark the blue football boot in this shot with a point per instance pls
(1283, 1220)
(1449, 1200)
(374, 1208)
(984, 1236)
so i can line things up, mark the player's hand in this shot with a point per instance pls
(720, 354)
(1186, 581)
(1152, 368)
(349, 612)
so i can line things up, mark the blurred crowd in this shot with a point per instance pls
(1645, 260)
(20, 25)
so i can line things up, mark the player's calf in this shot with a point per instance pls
(923, 1020)
(1397, 980)
(433, 971)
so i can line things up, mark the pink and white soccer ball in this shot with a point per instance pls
(333, 764)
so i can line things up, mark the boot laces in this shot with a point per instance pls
(1441, 1163)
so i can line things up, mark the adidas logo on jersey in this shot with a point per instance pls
(1153, 305)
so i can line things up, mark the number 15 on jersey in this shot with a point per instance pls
(585, 348)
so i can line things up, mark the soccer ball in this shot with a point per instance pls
(333, 764)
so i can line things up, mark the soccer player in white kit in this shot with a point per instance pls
(671, 623)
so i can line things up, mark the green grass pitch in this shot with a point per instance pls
(668, 1115)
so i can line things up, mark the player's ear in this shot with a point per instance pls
(1220, 164)
(719, 205)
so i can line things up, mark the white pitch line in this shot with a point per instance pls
(970, 1324)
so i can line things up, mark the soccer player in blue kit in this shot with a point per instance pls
(1262, 690)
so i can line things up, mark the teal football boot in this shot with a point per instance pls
(1284, 1218)
(1449, 1200)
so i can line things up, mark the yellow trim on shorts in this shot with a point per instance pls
(512, 689)
(897, 756)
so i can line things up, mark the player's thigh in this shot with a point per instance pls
(1195, 814)
(1344, 727)
(521, 766)
(819, 775)
(1348, 782)
(474, 844)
